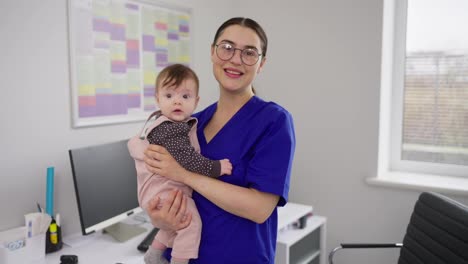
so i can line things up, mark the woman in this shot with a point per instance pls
(238, 212)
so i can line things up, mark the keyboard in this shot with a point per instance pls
(146, 242)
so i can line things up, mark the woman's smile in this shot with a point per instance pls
(233, 73)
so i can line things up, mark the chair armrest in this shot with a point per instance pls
(362, 245)
(371, 245)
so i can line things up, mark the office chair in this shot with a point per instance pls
(437, 233)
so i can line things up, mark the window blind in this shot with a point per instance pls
(435, 110)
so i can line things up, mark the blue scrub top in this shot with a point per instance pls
(259, 141)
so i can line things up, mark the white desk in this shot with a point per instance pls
(102, 249)
(307, 243)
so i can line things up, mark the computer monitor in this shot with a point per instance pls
(106, 189)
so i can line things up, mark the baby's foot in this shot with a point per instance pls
(155, 256)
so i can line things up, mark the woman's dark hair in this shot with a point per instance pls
(174, 75)
(248, 23)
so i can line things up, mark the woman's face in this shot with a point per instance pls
(233, 75)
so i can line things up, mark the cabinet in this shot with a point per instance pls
(300, 245)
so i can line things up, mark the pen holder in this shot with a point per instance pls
(53, 238)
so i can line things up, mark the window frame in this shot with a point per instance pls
(392, 171)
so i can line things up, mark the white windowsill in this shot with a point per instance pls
(422, 182)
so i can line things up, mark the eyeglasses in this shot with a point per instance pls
(226, 51)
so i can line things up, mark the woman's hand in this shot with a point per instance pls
(158, 160)
(172, 215)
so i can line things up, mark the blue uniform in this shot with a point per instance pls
(259, 141)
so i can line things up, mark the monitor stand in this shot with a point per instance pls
(123, 232)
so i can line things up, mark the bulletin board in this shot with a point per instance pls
(117, 48)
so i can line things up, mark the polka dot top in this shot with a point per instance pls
(174, 136)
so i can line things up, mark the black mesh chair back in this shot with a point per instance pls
(437, 232)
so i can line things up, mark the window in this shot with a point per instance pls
(424, 94)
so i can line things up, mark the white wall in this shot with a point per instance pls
(36, 119)
(323, 65)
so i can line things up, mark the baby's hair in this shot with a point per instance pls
(174, 75)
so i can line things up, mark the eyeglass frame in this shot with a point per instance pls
(234, 53)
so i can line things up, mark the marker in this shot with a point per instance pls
(57, 219)
(30, 229)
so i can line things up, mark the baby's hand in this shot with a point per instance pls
(226, 167)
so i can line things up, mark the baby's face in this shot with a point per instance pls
(178, 103)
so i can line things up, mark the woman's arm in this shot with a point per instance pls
(248, 203)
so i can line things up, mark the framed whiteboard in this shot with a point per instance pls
(117, 48)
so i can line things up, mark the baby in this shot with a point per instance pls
(174, 129)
